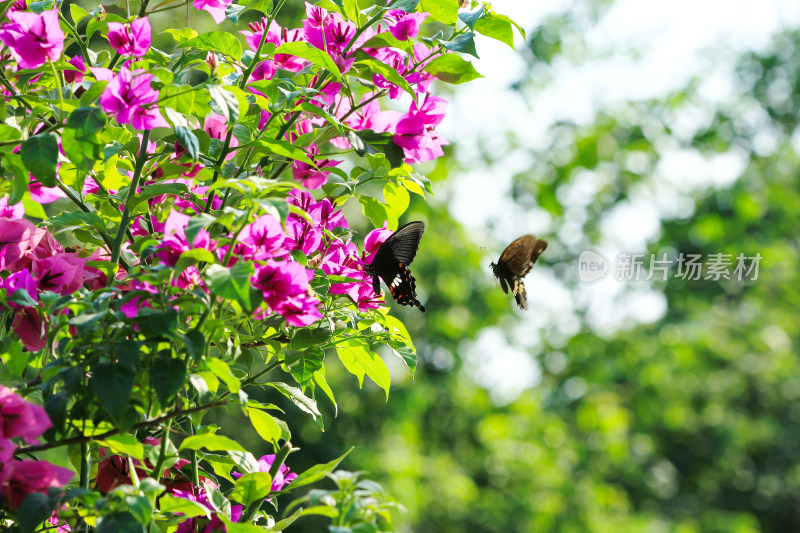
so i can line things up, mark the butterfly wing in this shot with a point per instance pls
(391, 264)
(515, 262)
(520, 256)
(402, 285)
(404, 243)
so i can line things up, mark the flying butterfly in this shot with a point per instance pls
(391, 264)
(515, 262)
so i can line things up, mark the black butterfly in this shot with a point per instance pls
(391, 264)
(515, 262)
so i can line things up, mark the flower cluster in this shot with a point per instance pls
(37, 262)
(114, 470)
(22, 419)
(170, 218)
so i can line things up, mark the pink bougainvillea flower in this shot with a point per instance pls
(302, 236)
(396, 60)
(204, 525)
(373, 241)
(415, 131)
(22, 280)
(58, 526)
(44, 195)
(264, 238)
(6, 450)
(15, 211)
(17, 236)
(30, 328)
(312, 177)
(130, 97)
(404, 26)
(282, 478)
(32, 38)
(19, 5)
(27, 324)
(287, 61)
(329, 32)
(21, 418)
(217, 128)
(130, 39)
(256, 32)
(75, 75)
(285, 288)
(61, 273)
(131, 306)
(216, 8)
(20, 478)
(323, 213)
(175, 243)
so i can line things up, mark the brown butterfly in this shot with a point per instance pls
(515, 262)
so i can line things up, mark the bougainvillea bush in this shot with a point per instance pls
(172, 233)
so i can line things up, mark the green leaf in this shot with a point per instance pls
(322, 383)
(112, 384)
(73, 218)
(192, 257)
(8, 133)
(317, 57)
(391, 75)
(252, 487)
(19, 187)
(15, 360)
(397, 198)
(216, 41)
(286, 522)
(497, 27)
(371, 142)
(119, 523)
(386, 40)
(182, 36)
(303, 363)
(188, 140)
(263, 6)
(226, 101)
(221, 369)
(231, 283)
(173, 504)
(35, 509)
(471, 17)
(359, 361)
(210, 442)
(377, 212)
(309, 338)
(39, 155)
(317, 472)
(349, 9)
(464, 43)
(442, 10)
(77, 13)
(265, 425)
(235, 527)
(284, 148)
(168, 375)
(124, 444)
(79, 138)
(299, 399)
(451, 68)
(151, 191)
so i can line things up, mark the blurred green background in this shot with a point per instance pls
(641, 406)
